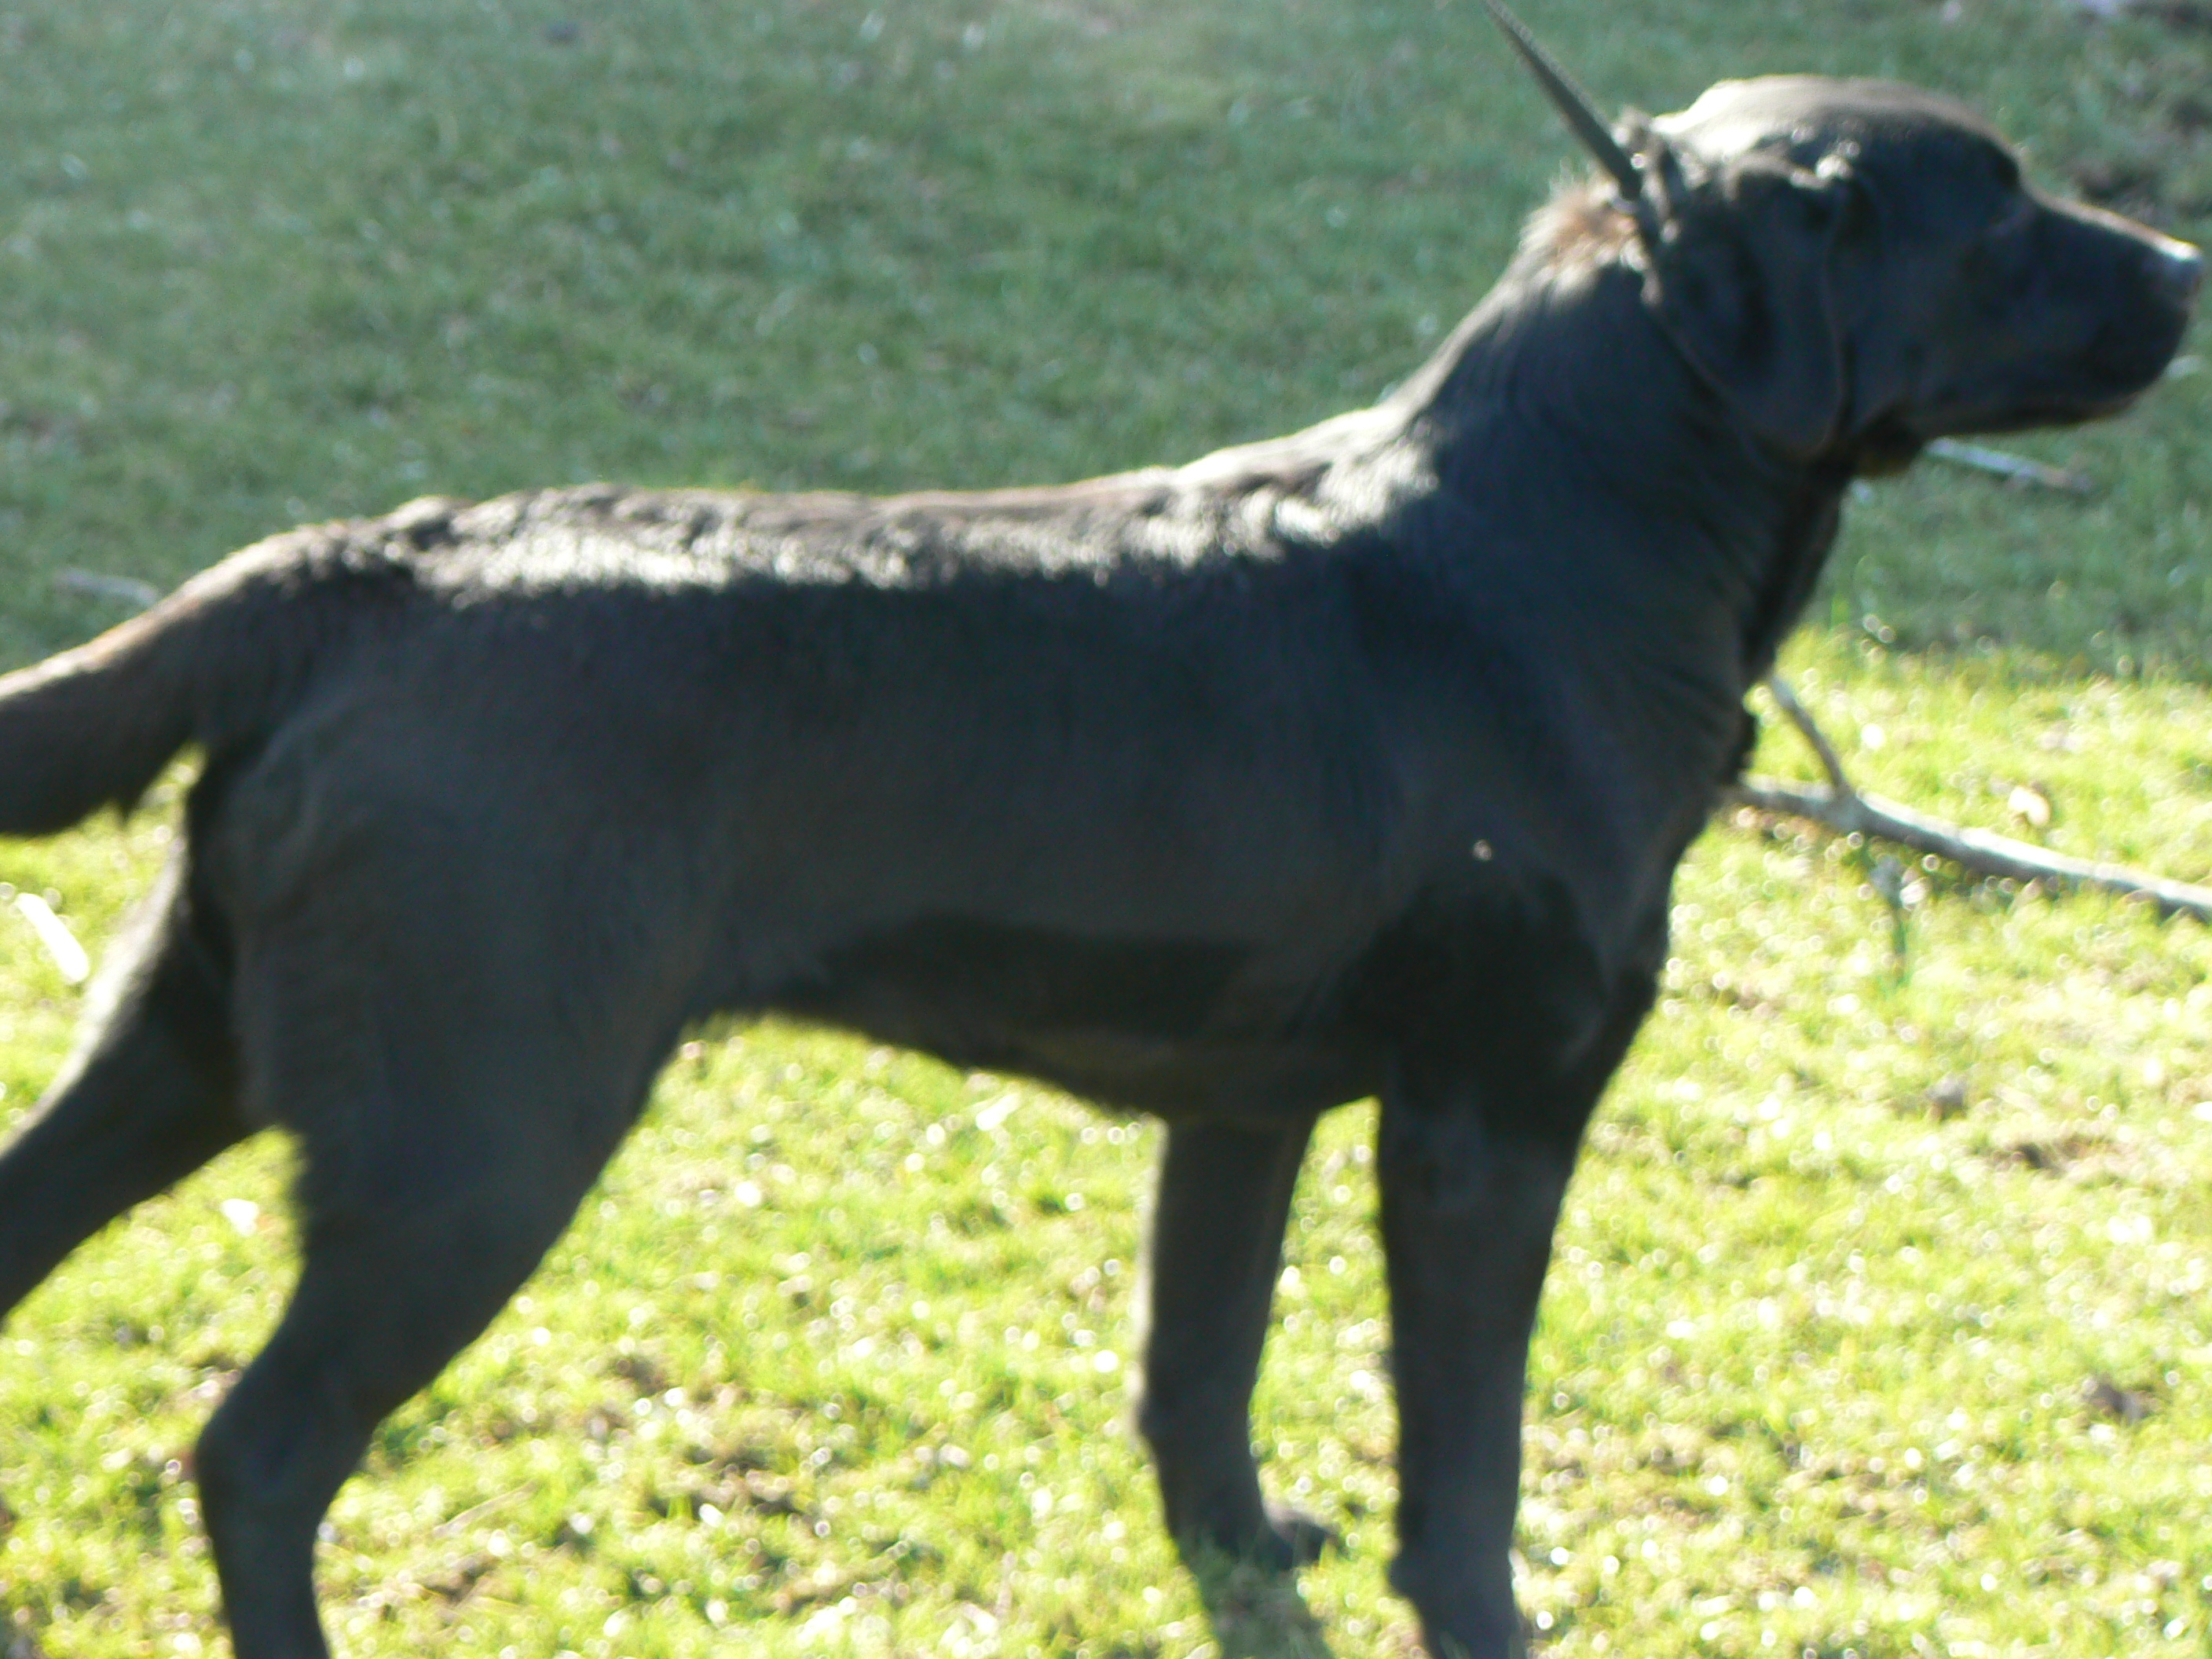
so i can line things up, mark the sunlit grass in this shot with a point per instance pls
(1881, 1309)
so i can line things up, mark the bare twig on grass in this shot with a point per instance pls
(468, 1517)
(1845, 809)
(54, 933)
(2013, 468)
(98, 585)
(1831, 762)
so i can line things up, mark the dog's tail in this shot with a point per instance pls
(215, 664)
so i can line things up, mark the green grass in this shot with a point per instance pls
(822, 1367)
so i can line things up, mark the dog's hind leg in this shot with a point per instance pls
(427, 1197)
(1224, 1194)
(150, 1096)
(384, 1302)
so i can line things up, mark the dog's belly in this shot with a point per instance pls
(1177, 1027)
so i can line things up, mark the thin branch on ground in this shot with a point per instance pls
(1845, 809)
(2013, 468)
(98, 585)
(1831, 762)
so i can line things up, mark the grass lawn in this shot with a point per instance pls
(1881, 1320)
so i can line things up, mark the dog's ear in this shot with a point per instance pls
(1739, 272)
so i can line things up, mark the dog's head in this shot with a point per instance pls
(1860, 267)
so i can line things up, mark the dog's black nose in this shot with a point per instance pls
(2180, 272)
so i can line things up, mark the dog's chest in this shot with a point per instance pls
(1173, 1025)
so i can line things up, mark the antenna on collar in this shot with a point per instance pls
(1573, 104)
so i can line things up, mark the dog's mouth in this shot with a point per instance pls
(2113, 356)
(1885, 450)
(2119, 382)
(2055, 413)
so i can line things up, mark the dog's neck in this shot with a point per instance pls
(1710, 527)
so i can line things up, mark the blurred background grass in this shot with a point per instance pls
(1881, 1325)
(267, 262)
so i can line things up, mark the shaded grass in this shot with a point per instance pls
(825, 1365)
(267, 262)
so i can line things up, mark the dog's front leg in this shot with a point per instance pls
(1224, 1194)
(1467, 1211)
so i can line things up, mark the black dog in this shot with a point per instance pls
(1357, 762)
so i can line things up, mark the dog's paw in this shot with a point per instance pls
(1451, 1647)
(1277, 1538)
(1303, 1537)
(1462, 1617)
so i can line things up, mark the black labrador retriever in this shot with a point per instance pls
(1353, 763)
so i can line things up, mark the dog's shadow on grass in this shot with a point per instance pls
(1257, 1614)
